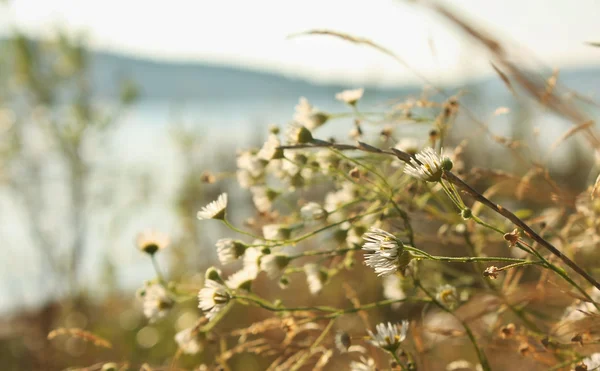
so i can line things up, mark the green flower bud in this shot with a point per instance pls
(447, 164)
(213, 274)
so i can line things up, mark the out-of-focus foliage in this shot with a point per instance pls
(51, 133)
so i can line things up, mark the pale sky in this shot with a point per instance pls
(253, 33)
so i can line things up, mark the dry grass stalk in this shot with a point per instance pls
(80, 334)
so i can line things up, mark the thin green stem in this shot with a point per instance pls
(520, 264)
(480, 353)
(518, 312)
(334, 312)
(159, 275)
(352, 114)
(477, 220)
(454, 197)
(358, 163)
(468, 259)
(235, 229)
(217, 318)
(268, 306)
(377, 304)
(325, 252)
(406, 220)
(276, 243)
(397, 359)
(562, 273)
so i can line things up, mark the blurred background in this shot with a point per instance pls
(112, 112)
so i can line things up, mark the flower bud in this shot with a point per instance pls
(466, 213)
(213, 274)
(447, 164)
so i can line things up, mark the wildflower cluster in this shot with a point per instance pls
(340, 229)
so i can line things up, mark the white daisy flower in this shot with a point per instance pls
(459, 364)
(156, 301)
(270, 150)
(241, 279)
(389, 336)
(284, 282)
(382, 265)
(408, 145)
(355, 235)
(276, 232)
(151, 241)
(274, 264)
(309, 116)
(313, 211)
(215, 209)
(298, 134)
(247, 160)
(447, 295)
(350, 96)
(578, 309)
(383, 251)
(342, 341)
(426, 165)
(252, 258)
(593, 361)
(212, 298)
(189, 341)
(315, 277)
(336, 199)
(294, 164)
(229, 250)
(246, 180)
(392, 287)
(365, 364)
(327, 160)
(263, 197)
(110, 366)
(213, 274)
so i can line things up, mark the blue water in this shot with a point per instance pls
(140, 148)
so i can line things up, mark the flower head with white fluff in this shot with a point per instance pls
(308, 115)
(241, 280)
(151, 241)
(389, 336)
(298, 134)
(189, 340)
(426, 165)
(385, 253)
(592, 362)
(276, 232)
(252, 258)
(365, 364)
(274, 264)
(315, 277)
(313, 211)
(350, 97)
(212, 298)
(156, 301)
(230, 250)
(215, 209)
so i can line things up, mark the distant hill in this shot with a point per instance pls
(173, 81)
